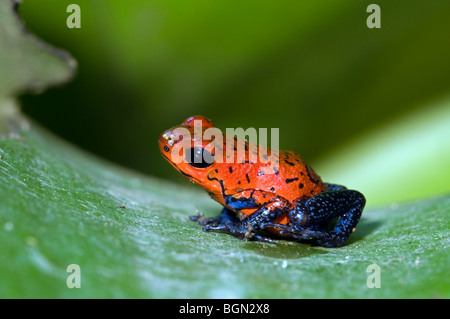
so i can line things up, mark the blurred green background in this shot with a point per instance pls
(367, 108)
(351, 100)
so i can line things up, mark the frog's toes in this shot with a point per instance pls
(223, 228)
(196, 218)
(202, 220)
(249, 232)
(263, 239)
(230, 229)
(332, 239)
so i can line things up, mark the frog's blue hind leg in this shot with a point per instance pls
(335, 187)
(309, 219)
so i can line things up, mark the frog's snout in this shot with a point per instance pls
(166, 141)
(167, 138)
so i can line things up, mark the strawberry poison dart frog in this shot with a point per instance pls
(290, 202)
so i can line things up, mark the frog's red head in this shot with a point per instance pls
(186, 148)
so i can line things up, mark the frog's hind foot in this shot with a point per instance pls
(308, 219)
(296, 233)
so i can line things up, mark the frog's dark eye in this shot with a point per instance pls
(199, 158)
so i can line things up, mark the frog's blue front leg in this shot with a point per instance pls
(227, 216)
(247, 228)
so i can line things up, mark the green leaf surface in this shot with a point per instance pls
(131, 237)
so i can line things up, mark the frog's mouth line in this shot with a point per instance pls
(185, 174)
